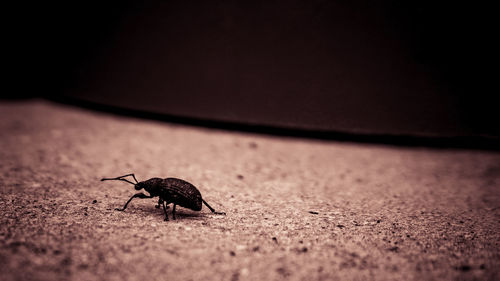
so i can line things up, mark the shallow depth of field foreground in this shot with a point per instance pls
(297, 209)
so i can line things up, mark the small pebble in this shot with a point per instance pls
(394, 249)
(464, 267)
(244, 271)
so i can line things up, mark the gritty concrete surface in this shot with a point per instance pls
(297, 209)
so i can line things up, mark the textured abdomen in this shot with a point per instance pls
(182, 193)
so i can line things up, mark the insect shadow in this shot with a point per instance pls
(143, 210)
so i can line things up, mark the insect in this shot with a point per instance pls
(169, 190)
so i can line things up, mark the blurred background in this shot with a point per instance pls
(359, 70)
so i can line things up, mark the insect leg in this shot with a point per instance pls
(137, 195)
(173, 211)
(164, 210)
(160, 202)
(212, 209)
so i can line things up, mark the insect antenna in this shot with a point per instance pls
(121, 178)
(117, 179)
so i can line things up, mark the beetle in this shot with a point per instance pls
(169, 190)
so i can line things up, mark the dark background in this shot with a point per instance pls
(418, 68)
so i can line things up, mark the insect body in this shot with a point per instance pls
(169, 190)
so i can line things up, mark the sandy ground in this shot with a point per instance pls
(297, 209)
